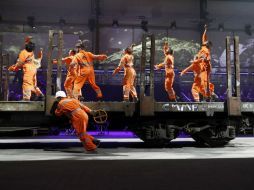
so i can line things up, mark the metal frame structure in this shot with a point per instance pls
(50, 89)
(1, 75)
(233, 99)
(159, 122)
(147, 104)
(147, 59)
(4, 76)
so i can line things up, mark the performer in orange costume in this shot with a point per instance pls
(129, 75)
(83, 60)
(201, 66)
(71, 73)
(168, 64)
(29, 64)
(197, 84)
(205, 56)
(77, 113)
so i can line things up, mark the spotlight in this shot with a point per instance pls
(173, 25)
(30, 21)
(247, 29)
(221, 27)
(144, 25)
(115, 23)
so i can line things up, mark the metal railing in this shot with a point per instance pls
(4, 77)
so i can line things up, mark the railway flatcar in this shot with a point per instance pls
(155, 122)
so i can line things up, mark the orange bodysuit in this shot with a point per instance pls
(201, 68)
(84, 61)
(77, 113)
(205, 61)
(27, 62)
(205, 55)
(200, 84)
(197, 84)
(168, 64)
(71, 75)
(129, 76)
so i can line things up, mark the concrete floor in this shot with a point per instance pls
(120, 149)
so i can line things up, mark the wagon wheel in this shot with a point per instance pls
(207, 137)
(100, 116)
(198, 139)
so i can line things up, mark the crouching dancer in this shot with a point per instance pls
(77, 113)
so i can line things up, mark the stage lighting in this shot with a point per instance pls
(115, 23)
(221, 27)
(173, 25)
(144, 25)
(247, 29)
(30, 21)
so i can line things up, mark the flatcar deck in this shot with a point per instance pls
(129, 107)
(199, 107)
(21, 106)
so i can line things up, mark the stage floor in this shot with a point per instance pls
(124, 163)
(32, 149)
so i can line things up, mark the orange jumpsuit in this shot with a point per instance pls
(26, 61)
(197, 84)
(205, 55)
(84, 62)
(77, 113)
(200, 79)
(129, 76)
(71, 75)
(168, 64)
(201, 67)
(205, 62)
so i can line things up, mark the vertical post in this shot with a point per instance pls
(6, 84)
(142, 67)
(95, 12)
(152, 56)
(7, 75)
(59, 61)
(49, 93)
(202, 16)
(228, 66)
(147, 101)
(97, 36)
(1, 75)
(49, 70)
(1, 67)
(233, 102)
(97, 26)
(237, 66)
(1, 43)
